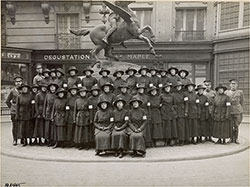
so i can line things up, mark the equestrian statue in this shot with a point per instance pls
(123, 25)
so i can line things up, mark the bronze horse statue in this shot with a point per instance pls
(127, 28)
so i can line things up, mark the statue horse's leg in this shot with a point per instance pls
(94, 53)
(147, 28)
(108, 53)
(147, 40)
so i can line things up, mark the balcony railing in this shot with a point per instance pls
(68, 41)
(189, 35)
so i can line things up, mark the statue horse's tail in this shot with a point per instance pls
(80, 32)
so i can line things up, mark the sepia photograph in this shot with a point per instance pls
(124, 93)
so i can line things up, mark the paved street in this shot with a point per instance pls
(230, 170)
(224, 171)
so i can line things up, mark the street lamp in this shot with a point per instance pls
(11, 10)
(86, 9)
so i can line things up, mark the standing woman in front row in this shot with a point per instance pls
(23, 113)
(222, 128)
(103, 124)
(81, 119)
(59, 117)
(138, 121)
(47, 110)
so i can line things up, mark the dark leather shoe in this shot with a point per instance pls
(14, 142)
(237, 142)
(55, 146)
(120, 155)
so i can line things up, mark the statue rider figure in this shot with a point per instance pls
(114, 19)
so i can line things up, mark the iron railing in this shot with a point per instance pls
(189, 35)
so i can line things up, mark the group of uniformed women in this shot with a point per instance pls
(141, 111)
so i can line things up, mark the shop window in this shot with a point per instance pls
(65, 39)
(235, 65)
(229, 15)
(190, 24)
(3, 30)
(246, 14)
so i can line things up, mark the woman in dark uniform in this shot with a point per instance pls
(23, 113)
(58, 115)
(88, 81)
(118, 81)
(73, 78)
(34, 91)
(103, 126)
(154, 117)
(82, 137)
(183, 76)
(125, 95)
(173, 77)
(46, 76)
(119, 138)
(168, 115)
(221, 112)
(192, 111)
(107, 94)
(143, 79)
(105, 77)
(40, 121)
(70, 114)
(53, 77)
(179, 106)
(131, 80)
(60, 77)
(93, 100)
(47, 109)
(155, 80)
(203, 126)
(145, 106)
(137, 123)
(164, 78)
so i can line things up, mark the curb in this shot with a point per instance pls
(242, 147)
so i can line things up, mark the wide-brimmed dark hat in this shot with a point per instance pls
(135, 98)
(200, 86)
(83, 89)
(108, 84)
(18, 77)
(87, 69)
(153, 68)
(143, 68)
(131, 69)
(56, 85)
(73, 87)
(104, 69)
(207, 81)
(61, 90)
(138, 86)
(233, 80)
(153, 88)
(60, 70)
(167, 84)
(95, 87)
(179, 83)
(183, 70)
(24, 85)
(100, 101)
(117, 99)
(123, 85)
(173, 67)
(117, 71)
(72, 68)
(51, 71)
(43, 84)
(190, 83)
(45, 71)
(221, 86)
(35, 86)
(163, 70)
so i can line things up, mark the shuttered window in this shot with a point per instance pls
(246, 14)
(229, 15)
(3, 30)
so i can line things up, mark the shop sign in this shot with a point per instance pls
(66, 57)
